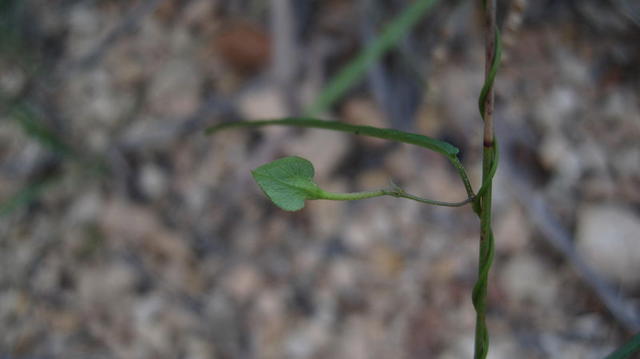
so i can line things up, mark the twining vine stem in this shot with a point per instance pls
(481, 200)
(482, 204)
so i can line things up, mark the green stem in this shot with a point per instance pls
(629, 348)
(389, 37)
(455, 161)
(352, 196)
(395, 192)
(402, 194)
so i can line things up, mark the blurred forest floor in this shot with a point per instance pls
(125, 232)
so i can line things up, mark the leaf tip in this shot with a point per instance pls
(212, 129)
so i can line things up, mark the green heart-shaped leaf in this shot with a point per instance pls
(288, 182)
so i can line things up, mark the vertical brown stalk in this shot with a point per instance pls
(482, 206)
(490, 53)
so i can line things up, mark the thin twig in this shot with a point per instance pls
(285, 56)
(560, 238)
(129, 22)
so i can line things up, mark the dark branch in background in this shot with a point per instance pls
(129, 22)
(558, 236)
(286, 53)
(396, 81)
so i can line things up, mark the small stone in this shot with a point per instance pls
(146, 320)
(563, 347)
(558, 155)
(306, 340)
(598, 188)
(401, 166)
(342, 275)
(608, 238)
(371, 225)
(242, 282)
(513, 230)
(85, 25)
(558, 105)
(385, 262)
(102, 285)
(12, 81)
(262, 102)
(93, 102)
(364, 112)
(504, 347)
(593, 157)
(460, 347)
(325, 149)
(199, 13)
(456, 94)
(153, 181)
(372, 179)
(591, 325)
(175, 90)
(621, 104)
(327, 215)
(85, 209)
(575, 72)
(526, 278)
(627, 162)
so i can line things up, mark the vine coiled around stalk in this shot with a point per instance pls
(482, 202)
